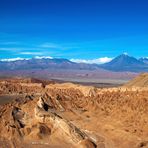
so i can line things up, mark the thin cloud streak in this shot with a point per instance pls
(9, 43)
(19, 58)
(13, 59)
(31, 53)
(49, 45)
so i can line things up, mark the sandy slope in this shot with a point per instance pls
(140, 81)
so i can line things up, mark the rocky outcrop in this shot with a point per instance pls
(44, 114)
(18, 86)
(85, 90)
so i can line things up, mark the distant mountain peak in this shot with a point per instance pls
(124, 58)
(124, 62)
(125, 55)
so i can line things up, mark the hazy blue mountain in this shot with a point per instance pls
(44, 64)
(124, 62)
(121, 63)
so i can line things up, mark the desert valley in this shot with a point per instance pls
(36, 113)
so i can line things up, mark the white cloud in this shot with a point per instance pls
(43, 57)
(18, 58)
(125, 53)
(144, 57)
(93, 61)
(13, 59)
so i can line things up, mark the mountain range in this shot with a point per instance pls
(121, 63)
(45, 63)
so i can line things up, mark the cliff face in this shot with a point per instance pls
(68, 115)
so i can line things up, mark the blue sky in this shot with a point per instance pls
(74, 29)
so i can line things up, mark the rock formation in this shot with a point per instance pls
(68, 115)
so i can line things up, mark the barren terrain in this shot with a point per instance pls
(46, 114)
